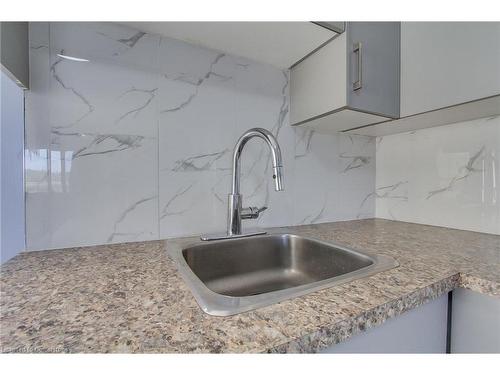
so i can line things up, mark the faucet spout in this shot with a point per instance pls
(271, 141)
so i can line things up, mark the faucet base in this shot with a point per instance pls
(225, 236)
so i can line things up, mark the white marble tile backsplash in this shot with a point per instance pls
(446, 176)
(136, 143)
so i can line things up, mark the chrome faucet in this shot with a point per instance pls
(236, 212)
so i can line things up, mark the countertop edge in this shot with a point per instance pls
(331, 335)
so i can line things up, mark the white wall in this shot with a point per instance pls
(136, 143)
(447, 176)
(11, 170)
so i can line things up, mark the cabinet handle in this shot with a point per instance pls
(359, 82)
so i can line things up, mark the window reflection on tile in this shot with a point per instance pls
(37, 169)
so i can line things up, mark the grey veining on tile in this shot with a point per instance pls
(355, 161)
(100, 144)
(181, 105)
(313, 218)
(149, 96)
(283, 110)
(463, 172)
(74, 91)
(198, 162)
(39, 47)
(196, 83)
(130, 42)
(124, 214)
(303, 143)
(389, 192)
(129, 297)
(167, 211)
(452, 173)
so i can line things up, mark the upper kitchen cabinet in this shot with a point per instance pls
(14, 52)
(448, 63)
(351, 81)
(450, 72)
(280, 44)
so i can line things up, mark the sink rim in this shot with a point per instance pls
(217, 304)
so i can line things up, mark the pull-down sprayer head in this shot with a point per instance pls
(278, 177)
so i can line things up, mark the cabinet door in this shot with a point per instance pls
(14, 58)
(317, 84)
(475, 323)
(448, 63)
(421, 330)
(373, 61)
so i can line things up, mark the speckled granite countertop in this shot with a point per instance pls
(130, 298)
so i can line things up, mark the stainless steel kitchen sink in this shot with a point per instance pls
(231, 276)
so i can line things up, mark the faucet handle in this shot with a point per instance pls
(252, 212)
(262, 209)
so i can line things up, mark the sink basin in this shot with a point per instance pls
(231, 276)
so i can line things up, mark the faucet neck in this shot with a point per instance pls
(269, 138)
